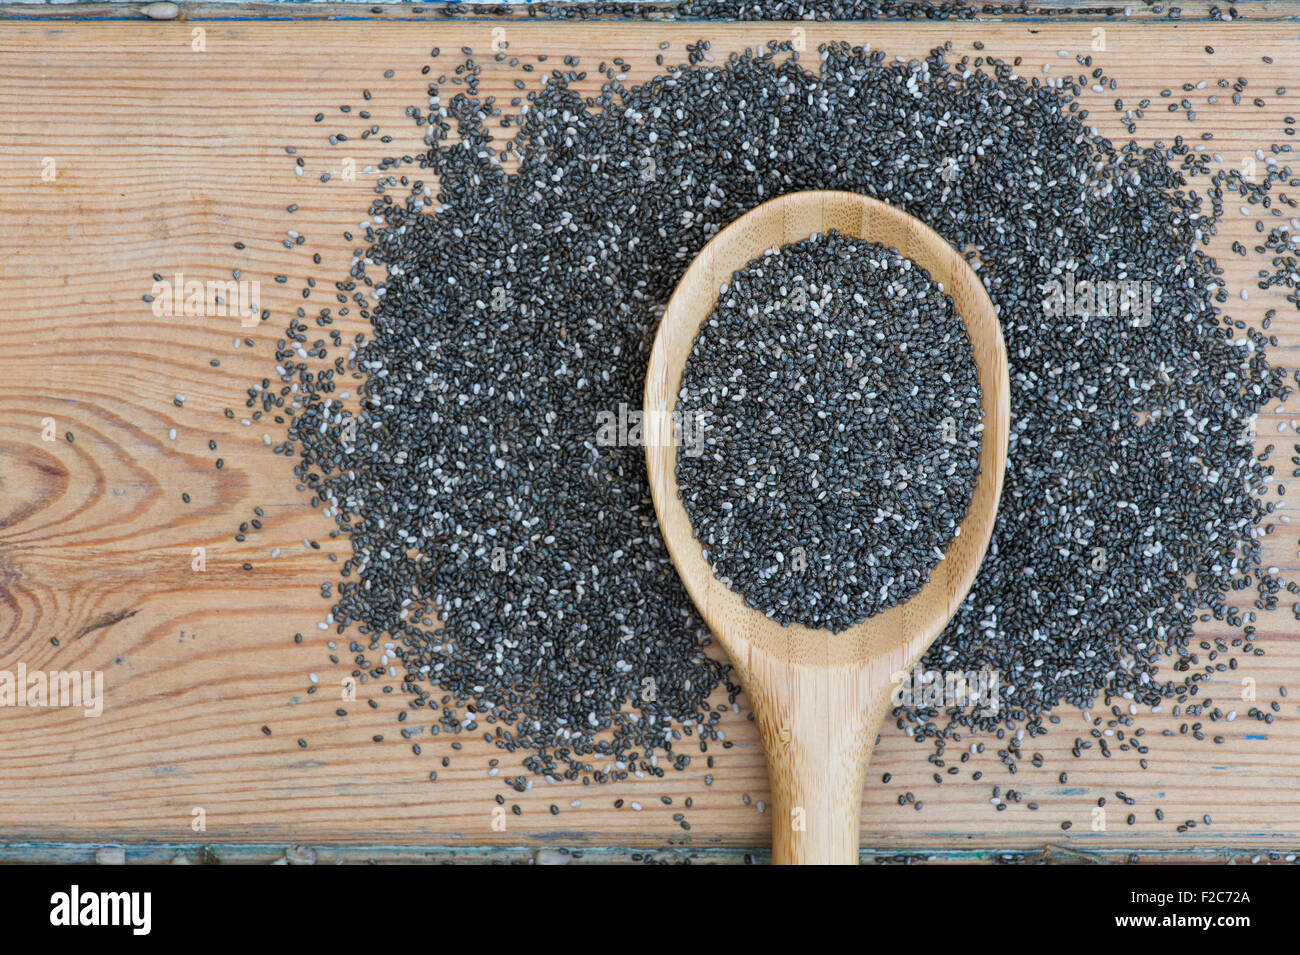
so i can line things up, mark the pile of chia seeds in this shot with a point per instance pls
(840, 410)
(508, 558)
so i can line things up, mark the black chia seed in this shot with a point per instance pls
(838, 403)
(519, 307)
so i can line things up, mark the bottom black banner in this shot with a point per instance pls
(139, 904)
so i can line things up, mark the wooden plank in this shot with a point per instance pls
(1189, 11)
(257, 853)
(164, 158)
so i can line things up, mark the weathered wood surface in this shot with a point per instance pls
(1189, 11)
(164, 157)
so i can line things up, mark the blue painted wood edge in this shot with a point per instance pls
(163, 853)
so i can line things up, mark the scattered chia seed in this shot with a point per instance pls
(519, 307)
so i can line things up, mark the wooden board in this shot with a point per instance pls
(164, 157)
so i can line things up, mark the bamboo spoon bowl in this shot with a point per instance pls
(818, 697)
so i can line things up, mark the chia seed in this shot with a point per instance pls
(513, 559)
(840, 407)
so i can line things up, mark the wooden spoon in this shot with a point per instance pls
(818, 697)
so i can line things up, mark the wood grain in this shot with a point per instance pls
(1190, 11)
(165, 157)
(818, 697)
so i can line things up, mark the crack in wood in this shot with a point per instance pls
(105, 620)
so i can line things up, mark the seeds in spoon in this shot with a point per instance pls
(841, 419)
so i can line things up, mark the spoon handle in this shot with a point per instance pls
(818, 728)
